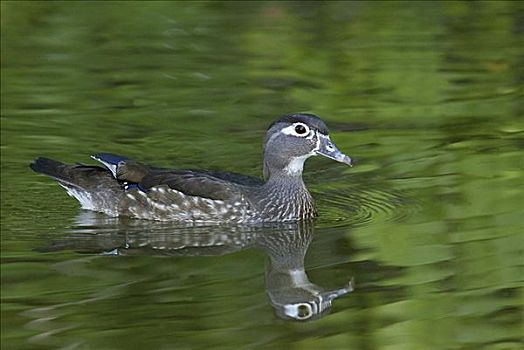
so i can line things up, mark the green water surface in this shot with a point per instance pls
(426, 96)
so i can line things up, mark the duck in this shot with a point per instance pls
(124, 187)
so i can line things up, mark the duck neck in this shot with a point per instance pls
(284, 197)
(284, 178)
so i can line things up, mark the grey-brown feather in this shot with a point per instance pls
(183, 195)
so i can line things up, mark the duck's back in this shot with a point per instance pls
(207, 184)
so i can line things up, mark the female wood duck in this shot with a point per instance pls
(125, 187)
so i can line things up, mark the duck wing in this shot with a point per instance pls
(191, 183)
(205, 184)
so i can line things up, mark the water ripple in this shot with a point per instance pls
(358, 206)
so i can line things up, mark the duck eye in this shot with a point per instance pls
(303, 311)
(301, 129)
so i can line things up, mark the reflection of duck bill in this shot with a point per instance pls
(333, 294)
(312, 305)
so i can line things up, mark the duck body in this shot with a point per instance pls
(124, 187)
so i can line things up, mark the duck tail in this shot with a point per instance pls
(80, 176)
(92, 186)
(49, 167)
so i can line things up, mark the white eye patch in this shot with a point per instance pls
(300, 311)
(328, 143)
(298, 129)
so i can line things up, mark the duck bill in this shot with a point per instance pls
(328, 149)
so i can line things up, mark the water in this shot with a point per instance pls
(426, 96)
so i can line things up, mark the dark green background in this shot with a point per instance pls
(427, 96)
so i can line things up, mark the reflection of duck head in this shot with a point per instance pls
(287, 285)
(290, 292)
(294, 296)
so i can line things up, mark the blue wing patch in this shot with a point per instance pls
(109, 160)
(133, 186)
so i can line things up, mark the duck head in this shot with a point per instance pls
(292, 139)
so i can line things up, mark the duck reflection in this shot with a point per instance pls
(290, 292)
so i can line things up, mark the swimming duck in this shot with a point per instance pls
(124, 187)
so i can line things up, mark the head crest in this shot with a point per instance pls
(307, 118)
